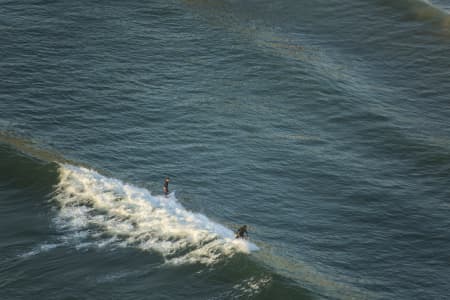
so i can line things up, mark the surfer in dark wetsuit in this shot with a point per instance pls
(166, 186)
(242, 233)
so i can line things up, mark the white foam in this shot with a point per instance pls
(114, 213)
(252, 286)
(39, 249)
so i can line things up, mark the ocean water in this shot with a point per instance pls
(322, 125)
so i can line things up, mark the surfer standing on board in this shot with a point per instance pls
(242, 233)
(166, 186)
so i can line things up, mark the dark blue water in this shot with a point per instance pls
(323, 126)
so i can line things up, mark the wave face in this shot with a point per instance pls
(110, 212)
(112, 238)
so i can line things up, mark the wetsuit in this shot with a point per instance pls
(166, 187)
(241, 232)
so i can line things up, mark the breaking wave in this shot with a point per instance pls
(99, 211)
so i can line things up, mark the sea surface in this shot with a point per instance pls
(322, 125)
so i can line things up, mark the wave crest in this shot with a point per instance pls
(120, 214)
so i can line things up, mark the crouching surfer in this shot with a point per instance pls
(242, 233)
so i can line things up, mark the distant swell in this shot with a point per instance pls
(99, 211)
(424, 10)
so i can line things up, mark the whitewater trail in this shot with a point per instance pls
(95, 210)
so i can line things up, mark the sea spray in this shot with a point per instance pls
(114, 213)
